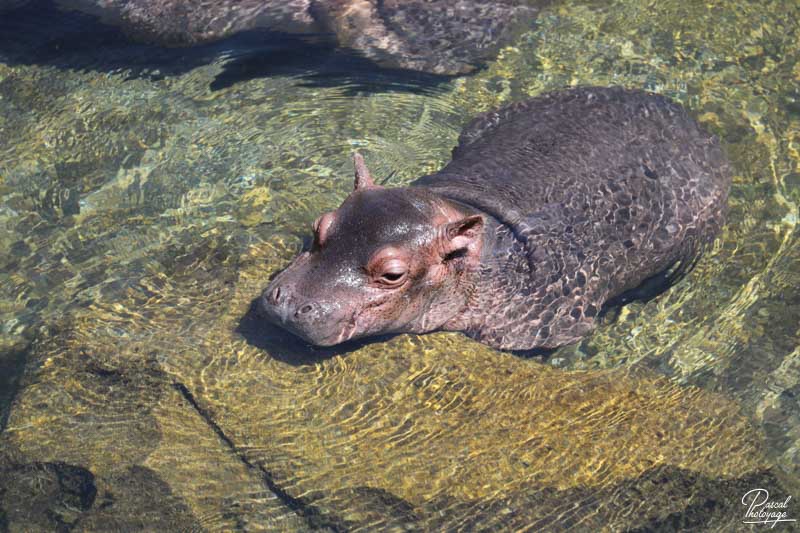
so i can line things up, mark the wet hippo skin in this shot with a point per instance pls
(549, 208)
(446, 37)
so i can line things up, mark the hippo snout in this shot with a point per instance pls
(306, 317)
(279, 302)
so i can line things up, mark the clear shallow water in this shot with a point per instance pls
(146, 198)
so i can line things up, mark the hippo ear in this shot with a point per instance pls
(464, 234)
(363, 177)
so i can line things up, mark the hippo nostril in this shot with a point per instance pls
(305, 309)
(275, 295)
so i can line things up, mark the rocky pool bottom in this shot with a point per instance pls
(226, 429)
(142, 212)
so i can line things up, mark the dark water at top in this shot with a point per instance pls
(147, 195)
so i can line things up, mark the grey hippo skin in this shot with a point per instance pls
(436, 36)
(549, 208)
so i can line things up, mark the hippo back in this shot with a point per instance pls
(592, 190)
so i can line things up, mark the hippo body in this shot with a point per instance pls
(549, 208)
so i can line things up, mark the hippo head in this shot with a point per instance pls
(388, 260)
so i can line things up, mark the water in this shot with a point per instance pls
(147, 196)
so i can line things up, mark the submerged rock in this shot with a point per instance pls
(176, 23)
(436, 36)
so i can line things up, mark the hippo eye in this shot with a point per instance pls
(392, 278)
(392, 273)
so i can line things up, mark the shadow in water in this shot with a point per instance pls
(540, 354)
(317, 63)
(12, 364)
(654, 285)
(289, 348)
(41, 34)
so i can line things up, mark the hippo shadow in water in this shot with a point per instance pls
(318, 64)
(288, 348)
(41, 34)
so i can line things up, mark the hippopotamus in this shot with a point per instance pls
(447, 37)
(549, 208)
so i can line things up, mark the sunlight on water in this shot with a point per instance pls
(141, 215)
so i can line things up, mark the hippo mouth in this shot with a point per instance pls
(354, 327)
(349, 330)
